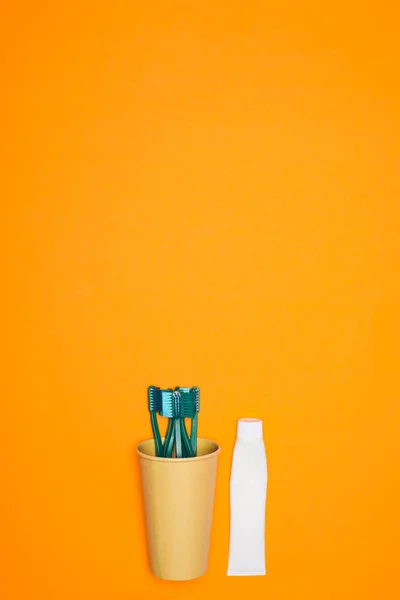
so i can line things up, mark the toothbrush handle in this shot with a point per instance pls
(186, 442)
(156, 434)
(178, 438)
(193, 434)
(169, 439)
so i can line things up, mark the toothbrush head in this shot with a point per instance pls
(167, 408)
(182, 402)
(153, 395)
(187, 402)
(196, 392)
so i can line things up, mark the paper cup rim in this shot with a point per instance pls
(178, 460)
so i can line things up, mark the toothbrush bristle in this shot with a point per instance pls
(167, 404)
(153, 394)
(196, 392)
(187, 402)
(181, 402)
(177, 404)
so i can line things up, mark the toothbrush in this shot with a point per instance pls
(193, 432)
(153, 395)
(167, 410)
(183, 447)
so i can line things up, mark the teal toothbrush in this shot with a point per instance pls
(187, 409)
(193, 432)
(153, 395)
(167, 410)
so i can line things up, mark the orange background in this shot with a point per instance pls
(201, 193)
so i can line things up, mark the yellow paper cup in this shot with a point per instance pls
(178, 498)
